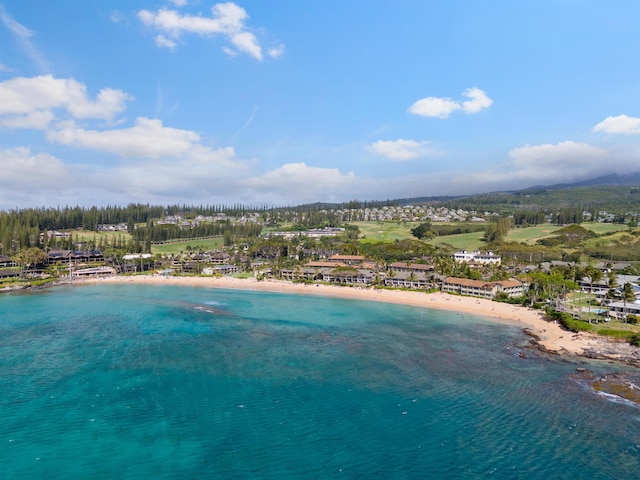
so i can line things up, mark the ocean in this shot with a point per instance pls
(134, 381)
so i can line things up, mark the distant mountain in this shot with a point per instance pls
(604, 191)
(613, 179)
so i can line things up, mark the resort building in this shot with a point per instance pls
(70, 256)
(487, 258)
(404, 279)
(94, 272)
(481, 288)
(6, 261)
(360, 276)
(330, 272)
(622, 309)
(8, 273)
(409, 275)
(347, 259)
(220, 258)
(227, 269)
(410, 267)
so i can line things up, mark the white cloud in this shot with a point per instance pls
(530, 165)
(147, 139)
(109, 102)
(117, 17)
(31, 172)
(401, 149)
(4, 68)
(23, 34)
(226, 20)
(179, 3)
(248, 43)
(620, 124)
(562, 155)
(434, 107)
(229, 51)
(442, 107)
(22, 95)
(196, 175)
(479, 100)
(36, 120)
(545, 164)
(293, 181)
(165, 42)
(276, 52)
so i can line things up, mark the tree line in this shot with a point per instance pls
(27, 228)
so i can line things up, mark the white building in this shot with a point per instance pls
(487, 258)
(622, 309)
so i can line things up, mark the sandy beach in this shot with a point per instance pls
(547, 335)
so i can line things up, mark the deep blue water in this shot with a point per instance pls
(134, 382)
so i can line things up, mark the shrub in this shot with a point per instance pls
(567, 321)
(610, 332)
(504, 297)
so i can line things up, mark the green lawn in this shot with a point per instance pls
(463, 241)
(87, 235)
(371, 232)
(177, 247)
(168, 248)
(530, 235)
(601, 228)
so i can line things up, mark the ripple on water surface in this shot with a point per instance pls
(128, 381)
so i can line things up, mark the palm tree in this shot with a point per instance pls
(594, 275)
(628, 295)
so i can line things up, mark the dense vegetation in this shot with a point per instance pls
(26, 228)
(36, 227)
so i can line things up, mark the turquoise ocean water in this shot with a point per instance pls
(135, 382)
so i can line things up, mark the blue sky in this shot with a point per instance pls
(279, 102)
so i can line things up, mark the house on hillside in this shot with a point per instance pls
(486, 258)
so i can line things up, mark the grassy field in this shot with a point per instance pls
(463, 241)
(601, 228)
(167, 248)
(530, 235)
(371, 232)
(177, 247)
(87, 235)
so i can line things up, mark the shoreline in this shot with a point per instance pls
(547, 336)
